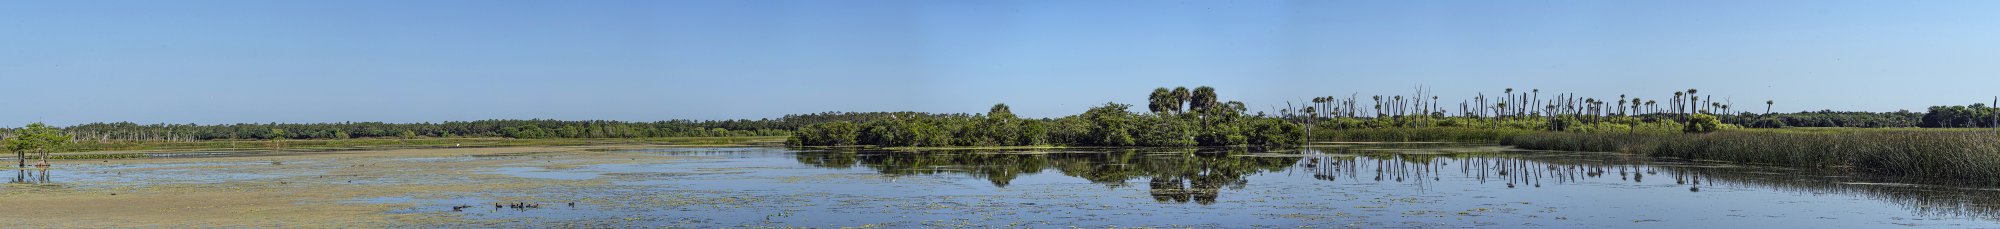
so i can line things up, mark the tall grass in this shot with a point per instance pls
(1961, 155)
(1420, 134)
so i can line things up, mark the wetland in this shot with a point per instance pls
(1362, 185)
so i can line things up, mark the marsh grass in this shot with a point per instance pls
(97, 156)
(1477, 133)
(1952, 155)
(1421, 134)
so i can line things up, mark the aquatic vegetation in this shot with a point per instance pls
(1959, 155)
(97, 156)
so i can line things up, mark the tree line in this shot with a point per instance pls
(1978, 115)
(1554, 112)
(1178, 117)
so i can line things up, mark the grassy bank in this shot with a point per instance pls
(1962, 155)
(341, 144)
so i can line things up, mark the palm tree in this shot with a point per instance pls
(1203, 97)
(1398, 102)
(1157, 102)
(1767, 105)
(1694, 101)
(1537, 97)
(1182, 97)
(1378, 106)
(1510, 97)
(1635, 106)
(1652, 106)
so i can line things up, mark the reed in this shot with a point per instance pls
(1952, 155)
(1422, 134)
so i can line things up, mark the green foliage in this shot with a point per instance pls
(1000, 111)
(1274, 132)
(1202, 98)
(1976, 116)
(1768, 123)
(1952, 154)
(1422, 134)
(826, 134)
(38, 137)
(1110, 125)
(1165, 130)
(1702, 123)
(526, 132)
(1828, 118)
(1163, 101)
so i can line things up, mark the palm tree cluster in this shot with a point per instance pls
(1422, 108)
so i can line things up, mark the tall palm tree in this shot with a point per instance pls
(1434, 106)
(1398, 101)
(1510, 98)
(1694, 101)
(1767, 105)
(1181, 99)
(1621, 104)
(1537, 98)
(1378, 106)
(1653, 106)
(1588, 102)
(1676, 103)
(1635, 106)
(1318, 101)
(1202, 98)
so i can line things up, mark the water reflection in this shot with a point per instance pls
(1172, 175)
(1201, 175)
(30, 176)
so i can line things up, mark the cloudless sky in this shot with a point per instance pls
(209, 62)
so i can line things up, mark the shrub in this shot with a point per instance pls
(839, 133)
(1702, 123)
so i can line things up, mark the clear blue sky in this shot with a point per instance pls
(69, 62)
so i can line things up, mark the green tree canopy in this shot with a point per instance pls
(38, 138)
(1162, 100)
(1000, 111)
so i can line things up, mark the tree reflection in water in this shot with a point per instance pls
(30, 176)
(1200, 175)
(1174, 175)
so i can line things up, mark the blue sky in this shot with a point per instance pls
(68, 62)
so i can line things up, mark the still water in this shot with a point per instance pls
(1354, 185)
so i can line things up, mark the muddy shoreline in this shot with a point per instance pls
(298, 189)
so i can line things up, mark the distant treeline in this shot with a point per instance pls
(1978, 115)
(485, 128)
(1827, 118)
(1180, 117)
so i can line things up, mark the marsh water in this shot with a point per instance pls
(1345, 185)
